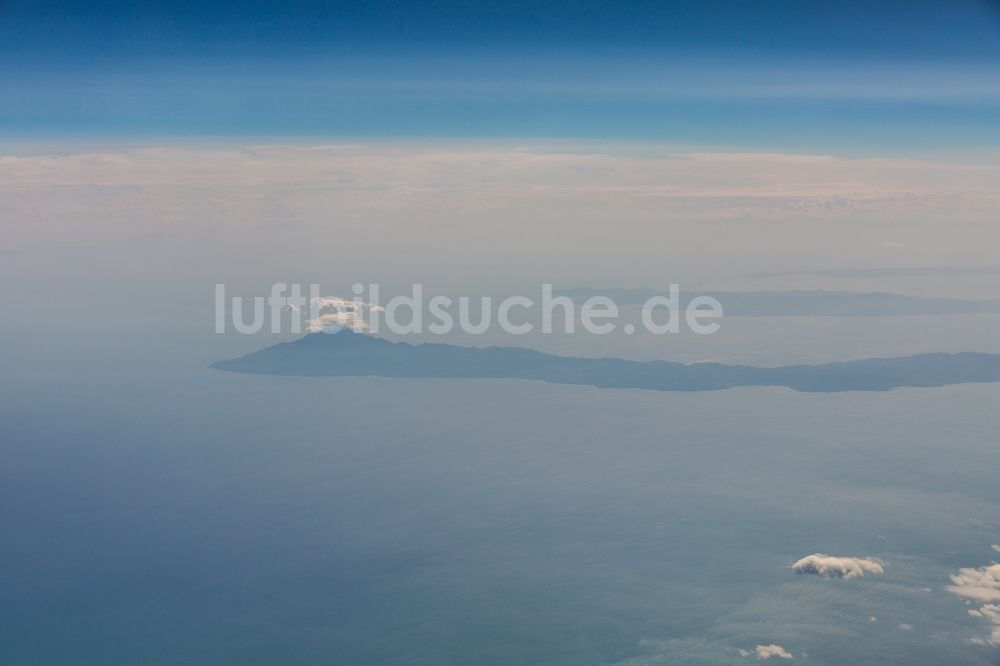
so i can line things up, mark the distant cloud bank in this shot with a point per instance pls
(659, 185)
(313, 205)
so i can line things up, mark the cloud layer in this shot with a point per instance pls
(479, 209)
(657, 183)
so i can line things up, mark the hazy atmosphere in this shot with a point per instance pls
(813, 481)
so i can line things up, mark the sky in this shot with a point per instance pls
(858, 77)
(595, 143)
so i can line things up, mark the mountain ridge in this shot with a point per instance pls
(350, 354)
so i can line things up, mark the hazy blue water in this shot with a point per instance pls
(155, 511)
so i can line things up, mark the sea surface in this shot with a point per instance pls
(155, 511)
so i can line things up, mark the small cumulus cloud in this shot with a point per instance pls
(981, 584)
(990, 613)
(830, 566)
(772, 650)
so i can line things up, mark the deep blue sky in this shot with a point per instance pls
(787, 74)
(875, 28)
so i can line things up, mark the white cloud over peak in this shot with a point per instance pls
(338, 304)
(830, 566)
(333, 313)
